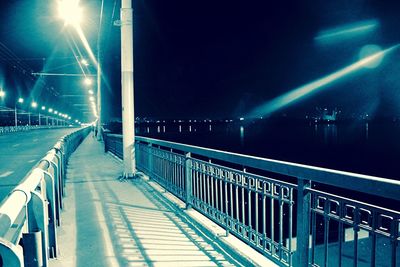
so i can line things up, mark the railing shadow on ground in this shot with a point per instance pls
(149, 233)
(294, 214)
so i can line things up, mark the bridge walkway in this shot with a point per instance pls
(109, 222)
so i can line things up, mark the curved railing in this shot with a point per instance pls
(296, 215)
(30, 214)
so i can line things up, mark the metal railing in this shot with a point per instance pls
(113, 143)
(13, 129)
(296, 215)
(30, 214)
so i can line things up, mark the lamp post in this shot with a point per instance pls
(20, 101)
(43, 108)
(2, 95)
(127, 81)
(33, 105)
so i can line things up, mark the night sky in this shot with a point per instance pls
(217, 59)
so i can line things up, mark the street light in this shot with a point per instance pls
(20, 101)
(84, 62)
(70, 12)
(33, 105)
(88, 81)
(2, 93)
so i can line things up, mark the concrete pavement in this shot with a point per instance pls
(108, 222)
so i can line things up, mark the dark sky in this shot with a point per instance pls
(197, 59)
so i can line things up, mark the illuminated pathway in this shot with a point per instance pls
(108, 222)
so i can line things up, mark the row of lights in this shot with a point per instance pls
(92, 100)
(34, 104)
(71, 13)
(50, 110)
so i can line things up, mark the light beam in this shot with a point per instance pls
(305, 90)
(347, 31)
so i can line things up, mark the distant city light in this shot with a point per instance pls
(2, 93)
(50, 110)
(305, 90)
(43, 107)
(70, 12)
(55, 112)
(20, 100)
(91, 92)
(34, 104)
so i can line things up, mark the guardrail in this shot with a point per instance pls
(113, 143)
(30, 214)
(13, 129)
(294, 214)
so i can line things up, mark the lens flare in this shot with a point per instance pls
(305, 90)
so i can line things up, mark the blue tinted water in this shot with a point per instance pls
(371, 148)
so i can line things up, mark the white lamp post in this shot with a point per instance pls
(20, 101)
(127, 81)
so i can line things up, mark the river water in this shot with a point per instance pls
(371, 148)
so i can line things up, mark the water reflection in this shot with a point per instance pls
(366, 131)
(209, 128)
(180, 128)
(328, 133)
(241, 135)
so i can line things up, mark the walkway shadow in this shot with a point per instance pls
(148, 233)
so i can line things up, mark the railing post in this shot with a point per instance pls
(188, 179)
(303, 221)
(150, 160)
(105, 139)
(38, 221)
(52, 217)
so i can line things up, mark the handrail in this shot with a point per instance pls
(38, 199)
(353, 181)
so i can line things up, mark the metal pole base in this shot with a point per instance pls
(128, 176)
